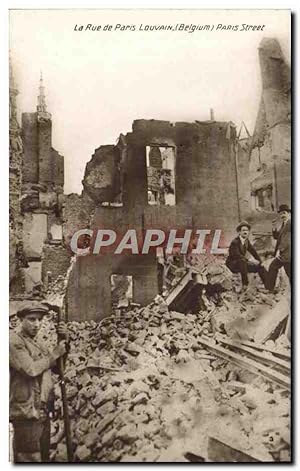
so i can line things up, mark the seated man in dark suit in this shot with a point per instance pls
(283, 246)
(237, 260)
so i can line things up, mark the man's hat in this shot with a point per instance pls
(243, 223)
(32, 307)
(284, 207)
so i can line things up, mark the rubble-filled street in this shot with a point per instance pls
(150, 299)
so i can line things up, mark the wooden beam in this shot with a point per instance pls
(261, 356)
(258, 346)
(268, 321)
(220, 451)
(248, 364)
(178, 288)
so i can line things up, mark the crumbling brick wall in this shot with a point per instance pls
(206, 196)
(77, 213)
(41, 163)
(205, 177)
(270, 163)
(57, 168)
(102, 174)
(89, 287)
(30, 142)
(40, 171)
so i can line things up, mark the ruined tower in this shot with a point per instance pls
(270, 161)
(15, 177)
(42, 164)
(42, 193)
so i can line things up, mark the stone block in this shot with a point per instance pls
(56, 231)
(34, 234)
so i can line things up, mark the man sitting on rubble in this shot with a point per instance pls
(283, 246)
(238, 258)
(31, 388)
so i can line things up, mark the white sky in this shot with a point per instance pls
(98, 82)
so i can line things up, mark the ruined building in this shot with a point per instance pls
(185, 175)
(161, 175)
(177, 176)
(265, 158)
(271, 145)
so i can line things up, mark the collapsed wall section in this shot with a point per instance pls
(40, 201)
(102, 175)
(243, 149)
(132, 185)
(205, 169)
(30, 143)
(116, 197)
(89, 287)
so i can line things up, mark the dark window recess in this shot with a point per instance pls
(121, 290)
(264, 199)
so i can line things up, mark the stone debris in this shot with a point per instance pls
(141, 386)
(140, 382)
(252, 315)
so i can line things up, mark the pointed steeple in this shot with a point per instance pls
(41, 106)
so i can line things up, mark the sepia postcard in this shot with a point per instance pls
(150, 236)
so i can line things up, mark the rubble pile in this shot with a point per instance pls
(254, 314)
(56, 287)
(141, 387)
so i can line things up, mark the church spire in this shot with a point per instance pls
(41, 106)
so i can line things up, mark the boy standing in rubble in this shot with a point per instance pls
(238, 261)
(31, 386)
